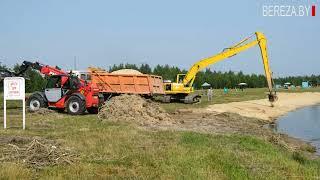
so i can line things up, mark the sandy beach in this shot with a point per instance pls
(262, 108)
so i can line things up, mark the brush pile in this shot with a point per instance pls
(46, 112)
(36, 154)
(133, 108)
(41, 111)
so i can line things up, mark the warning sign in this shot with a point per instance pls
(14, 88)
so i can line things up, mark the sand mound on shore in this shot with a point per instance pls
(261, 108)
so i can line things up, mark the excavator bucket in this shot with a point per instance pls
(273, 97)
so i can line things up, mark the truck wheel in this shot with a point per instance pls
(93, 110)
(76, 106)
(35, 102)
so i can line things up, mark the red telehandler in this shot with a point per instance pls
(66, 91)
(63, 91)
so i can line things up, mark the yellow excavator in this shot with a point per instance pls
(182, 89)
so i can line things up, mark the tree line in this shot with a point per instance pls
(35, 81)
(218, 79)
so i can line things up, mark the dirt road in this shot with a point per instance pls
(261, 108)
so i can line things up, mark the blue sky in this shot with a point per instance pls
(102, 33)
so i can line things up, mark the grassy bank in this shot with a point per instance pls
(125, 151)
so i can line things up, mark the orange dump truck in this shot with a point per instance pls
(114, 84)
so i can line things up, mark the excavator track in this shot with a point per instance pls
(192, 98)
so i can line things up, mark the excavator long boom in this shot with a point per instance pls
(231, 51)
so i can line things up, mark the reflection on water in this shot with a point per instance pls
(303, 123)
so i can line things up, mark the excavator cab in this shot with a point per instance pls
(177, 91)
(180, 78)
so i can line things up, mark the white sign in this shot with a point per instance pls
(14, 89)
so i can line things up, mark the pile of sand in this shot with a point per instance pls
(133, 108)
(127, 71)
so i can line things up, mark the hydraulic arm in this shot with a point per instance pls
(43, 69)
(243, 45)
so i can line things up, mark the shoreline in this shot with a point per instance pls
(262, 109)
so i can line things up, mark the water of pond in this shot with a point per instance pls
(303, 124)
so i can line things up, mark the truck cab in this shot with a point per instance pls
(81, 74)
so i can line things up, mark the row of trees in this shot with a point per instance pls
(217, 79)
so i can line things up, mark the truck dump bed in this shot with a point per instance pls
(143, 84)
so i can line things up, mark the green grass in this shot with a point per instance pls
(114, 150)
(118, 150)
(233, 95)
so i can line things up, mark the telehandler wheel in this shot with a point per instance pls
(35, 102)
(76, 106)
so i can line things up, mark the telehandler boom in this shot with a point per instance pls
(182, 89)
